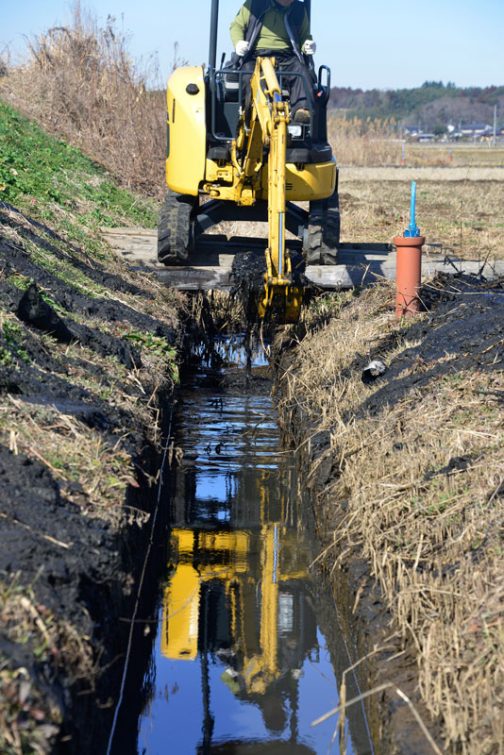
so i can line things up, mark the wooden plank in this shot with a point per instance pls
(328, 277)
(452, 265)
(358, 264)
(196, 278)
(146, 233)
(348, 276)
(364, 247)
(337, 277)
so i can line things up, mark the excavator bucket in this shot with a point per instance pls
(280, 303)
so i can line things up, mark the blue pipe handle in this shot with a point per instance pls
(412, 231)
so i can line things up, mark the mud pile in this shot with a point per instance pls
(85, 366)
(248, 276)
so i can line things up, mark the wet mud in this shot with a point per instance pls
(248, 276)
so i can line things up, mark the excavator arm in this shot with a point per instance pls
(263, 128)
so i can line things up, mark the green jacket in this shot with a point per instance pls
(273, 34)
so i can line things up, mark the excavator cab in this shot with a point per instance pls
(307, 143)
(234, 154)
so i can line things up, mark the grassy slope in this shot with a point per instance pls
(38, 169)
(121, 354)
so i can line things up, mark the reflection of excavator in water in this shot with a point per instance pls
(238, 595)
(251, 163)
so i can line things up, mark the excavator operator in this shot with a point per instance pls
(279, 29)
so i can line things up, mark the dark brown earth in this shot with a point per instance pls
(470, 340)
(77, 568)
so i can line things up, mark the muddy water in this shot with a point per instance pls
(239, 662)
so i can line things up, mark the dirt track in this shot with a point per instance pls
(420, 174)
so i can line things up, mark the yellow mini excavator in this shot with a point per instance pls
(234, 154)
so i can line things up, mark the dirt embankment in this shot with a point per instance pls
(406, 468)
(86, 362)
(469, 173)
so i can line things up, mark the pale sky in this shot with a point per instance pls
(367, 43)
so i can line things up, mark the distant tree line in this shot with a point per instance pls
(432, 105)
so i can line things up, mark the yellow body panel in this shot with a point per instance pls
(179, 639)
(302, 184)
(188, 171)
(310, 182)
(233, 545)
(186, 118)
(183, 542)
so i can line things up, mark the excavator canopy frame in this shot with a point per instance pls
(214, 28)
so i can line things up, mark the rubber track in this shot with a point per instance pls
(174, 229)
(323, 231)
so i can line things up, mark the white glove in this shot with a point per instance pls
(309, 47)
(242, 47)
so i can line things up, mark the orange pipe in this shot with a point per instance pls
(408, 274)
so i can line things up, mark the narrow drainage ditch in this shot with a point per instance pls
(242, 652)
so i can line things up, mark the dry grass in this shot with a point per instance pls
(216, 312)
(455, 155)
(359, 142)
(29, 717)
(464, 217)
(419, 460)
(375, 143)
(74, 453)
(81, 84)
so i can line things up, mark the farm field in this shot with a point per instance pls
(463, 217)
(458, 155)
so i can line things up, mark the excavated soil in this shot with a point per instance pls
(70, 550)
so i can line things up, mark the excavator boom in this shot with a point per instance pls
(263, 127)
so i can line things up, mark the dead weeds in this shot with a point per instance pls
(463, 218)
(81, 83)
(30, 718)
(416, 481)
(91, 471)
